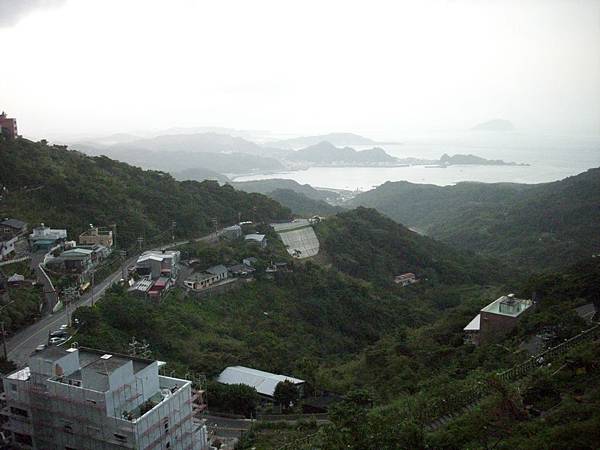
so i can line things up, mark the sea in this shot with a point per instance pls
(550, 157)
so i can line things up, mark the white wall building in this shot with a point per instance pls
(85, 399)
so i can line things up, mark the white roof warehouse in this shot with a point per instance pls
(263, 382)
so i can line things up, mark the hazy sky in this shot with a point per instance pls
(373, 67)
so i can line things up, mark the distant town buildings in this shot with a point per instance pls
(264, 382)
(89, 399)
(8, 126)
(96, 236)
(405, 279)
(496, 319)
(44, 238)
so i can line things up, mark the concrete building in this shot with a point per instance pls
(7, 246)
(95, 236)
(496, 319)
(264, 382)
(43, 237)
(405, 279)
(86, 399)
(157, 263)
(8, 126)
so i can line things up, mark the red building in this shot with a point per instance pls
(8, 126)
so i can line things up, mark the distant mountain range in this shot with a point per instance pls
(338, 139)
(208, 155)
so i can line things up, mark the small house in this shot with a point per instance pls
(232, 232)
(12, 226)
(258, 239)
(96, 236)
(405, 279)
(241, 270)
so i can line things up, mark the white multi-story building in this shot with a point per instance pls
(71, 399)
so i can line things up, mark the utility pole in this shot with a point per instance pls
(215, 222)
(140, 240)
(3, 341)
(114, 235)
(173, 224)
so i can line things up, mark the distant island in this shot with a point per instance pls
(325, 153)
(454, 160)
(494, 125)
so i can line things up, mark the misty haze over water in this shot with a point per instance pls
(549, 158)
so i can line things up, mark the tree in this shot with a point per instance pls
(286, 394)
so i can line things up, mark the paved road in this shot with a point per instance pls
(22, 344)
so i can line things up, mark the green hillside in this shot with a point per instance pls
(65, 188)
(302, 205)
(533, 226)
(366, 244)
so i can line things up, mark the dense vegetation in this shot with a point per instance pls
(368, 245)
(532, 226)
(302, 205)
(65, 188)
(19, 306)
(395, 386)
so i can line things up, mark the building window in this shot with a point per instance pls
(13, 387)
(166, 425)
(120, 437)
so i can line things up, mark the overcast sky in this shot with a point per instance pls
(378, 68)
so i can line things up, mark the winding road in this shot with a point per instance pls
(23, 343)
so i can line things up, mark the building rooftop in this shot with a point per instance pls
(77, 253)
(157, 256)
(217, 270)
(13, 223)
(474, 325)
(51, 353)
(508, 305)
(263, 382)
(21, 374)
(255, 237)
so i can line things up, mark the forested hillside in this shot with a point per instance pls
(535, 226)
(368, 245)
(65, 188)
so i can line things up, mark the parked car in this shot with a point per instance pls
(40, 347)
(59, 334)
(57, 340)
